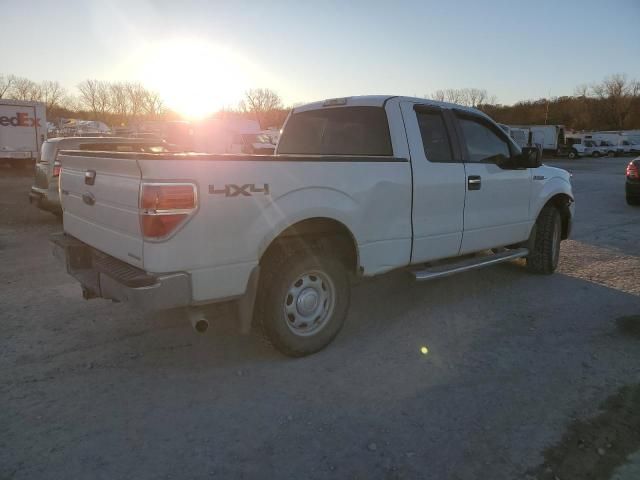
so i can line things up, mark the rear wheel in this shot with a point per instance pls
(611, 153)
(573, 154)
(545, 242)
(633, 200)
(303, 299)
(595, 154)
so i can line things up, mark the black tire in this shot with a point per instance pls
(545, 241)
(280, 273)
(573, 154)
(595, 154)
(633, 201)
(611, 154)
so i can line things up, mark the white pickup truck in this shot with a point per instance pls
(358, 186)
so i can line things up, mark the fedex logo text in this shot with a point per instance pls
(21, 119)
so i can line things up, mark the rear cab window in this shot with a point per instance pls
(435, 136)
(337, 131)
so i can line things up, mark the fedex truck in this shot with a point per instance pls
(23, 129)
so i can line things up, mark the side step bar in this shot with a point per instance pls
(439, 271)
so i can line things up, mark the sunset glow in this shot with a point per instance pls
(195, 78)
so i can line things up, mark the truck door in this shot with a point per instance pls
(438, 182)
(496, 209)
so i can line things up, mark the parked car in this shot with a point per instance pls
(580, 147)
(632, 185)
(605, 147)
(358, 186)
(628, 147)
(44, 192)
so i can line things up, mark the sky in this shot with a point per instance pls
(202, 55)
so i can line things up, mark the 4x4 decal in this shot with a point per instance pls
(247, 190)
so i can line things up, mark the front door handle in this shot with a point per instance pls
(474, 182)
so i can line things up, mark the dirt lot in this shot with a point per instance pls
(94, 390)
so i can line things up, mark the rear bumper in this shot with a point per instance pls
(15, 155)
(43, 199)
(107, 277)
(632, 189)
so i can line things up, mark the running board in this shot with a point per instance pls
(439, 271)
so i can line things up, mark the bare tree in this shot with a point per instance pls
(119, 100)
(153, 105)
(471, 97)
(439, 95)
(581, 90)
(260, 102)
(89, 95)
(95, 96)
(617, 94)
(475, 97)
(6, 85)
(52, 93)
(25, 89)
(136, 95)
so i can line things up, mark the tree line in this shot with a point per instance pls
(114, 103)
(612, 104)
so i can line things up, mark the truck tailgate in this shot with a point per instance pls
(103, 211)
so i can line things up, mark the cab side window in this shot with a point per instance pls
(435, 137)
(482, 143)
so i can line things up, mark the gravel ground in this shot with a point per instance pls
(94, 390)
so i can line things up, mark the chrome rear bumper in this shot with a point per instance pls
(107, 277)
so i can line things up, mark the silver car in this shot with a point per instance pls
(44, 193)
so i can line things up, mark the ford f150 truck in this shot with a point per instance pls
(358, 186)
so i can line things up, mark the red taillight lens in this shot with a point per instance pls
(163, 207)
(632, 171)
(56, 168)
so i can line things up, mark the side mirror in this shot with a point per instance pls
(530, 158)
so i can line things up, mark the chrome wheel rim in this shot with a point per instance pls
(309, 303)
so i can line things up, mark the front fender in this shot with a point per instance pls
(552, 187)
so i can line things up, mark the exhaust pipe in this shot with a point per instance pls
(198, 321)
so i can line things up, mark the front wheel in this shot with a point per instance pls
(303, 299)
(611, 154)
(595, 154)
(545, 242)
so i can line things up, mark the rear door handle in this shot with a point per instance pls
(474, 182)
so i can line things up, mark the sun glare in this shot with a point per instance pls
(193, 77)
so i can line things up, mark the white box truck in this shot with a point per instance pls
(23, 129)
(548, 137)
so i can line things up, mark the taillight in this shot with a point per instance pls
(632, 171)
(56, 168)
(165, 206)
